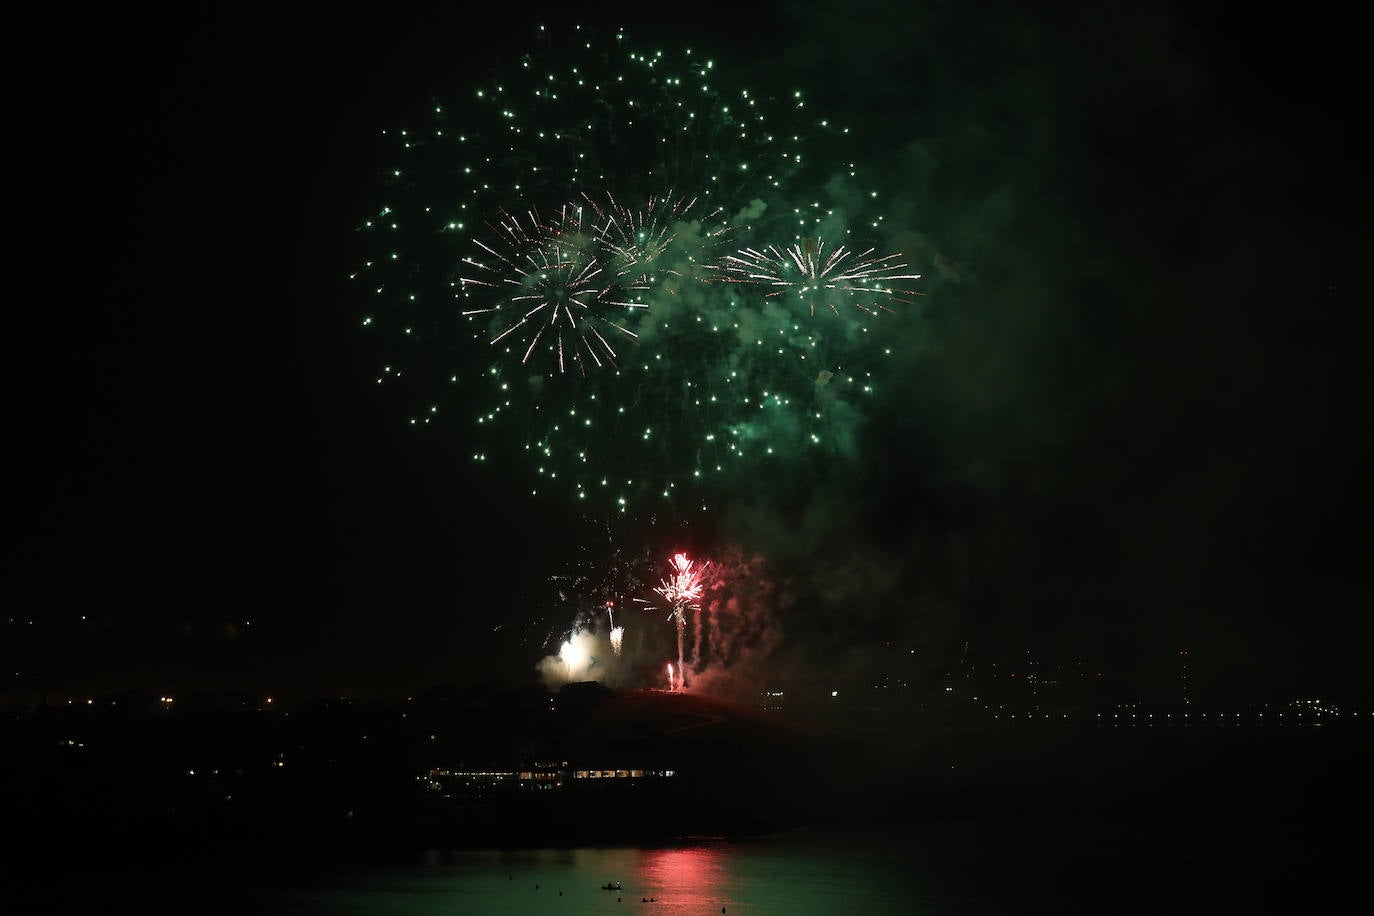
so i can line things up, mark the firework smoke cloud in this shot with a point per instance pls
(655, 284)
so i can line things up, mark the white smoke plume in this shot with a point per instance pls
(584, 656)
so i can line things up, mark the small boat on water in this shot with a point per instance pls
(611, 887)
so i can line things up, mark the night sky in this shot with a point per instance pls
(1130, 415)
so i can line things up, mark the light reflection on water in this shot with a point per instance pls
(935, 870)
(703, 877)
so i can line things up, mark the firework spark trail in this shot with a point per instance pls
(682, 590)
(617, 633)
(806, 269)
(636, 239)
(556, 269)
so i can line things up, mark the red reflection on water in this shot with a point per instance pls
(692, 877)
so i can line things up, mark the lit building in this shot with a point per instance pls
(539, 776)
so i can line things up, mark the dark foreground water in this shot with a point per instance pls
(934, 869)
(698, 877)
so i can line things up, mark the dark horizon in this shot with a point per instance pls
(1130, 416)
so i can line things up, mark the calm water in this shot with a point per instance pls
(744, 878)
(935, 870)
